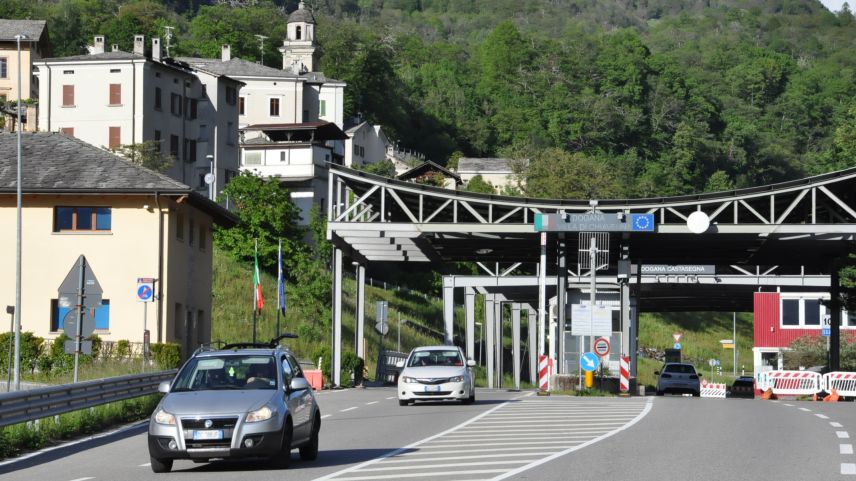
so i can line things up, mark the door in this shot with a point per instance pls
(305, 400)
(292, 401)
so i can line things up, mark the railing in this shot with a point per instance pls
(22, 406)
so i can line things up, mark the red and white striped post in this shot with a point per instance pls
(624, 370)
(544, 370)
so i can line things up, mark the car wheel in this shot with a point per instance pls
(403, 402)
(161, 465)
(309, 451)
(283, 457)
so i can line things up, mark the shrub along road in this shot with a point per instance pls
(544, 438)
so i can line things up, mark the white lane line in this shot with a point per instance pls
(391, 397)
(491, 450)
(848, 468)
(82, 479)
(370, 403)
(842, 434)
(347, 409)
(492, 462)
(413, 445)
(845, 449)
(835, 425)
(326, 416)
(417, 475)
(387, 462)
(635, 420)
(821, 416)
(469, 443)
(789, 405)
(146, 465)
(805, 409)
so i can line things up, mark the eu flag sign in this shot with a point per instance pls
(642, 222)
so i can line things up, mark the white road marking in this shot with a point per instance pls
(842, 434)
(848, 468)
(417, 475)
(835, 425)
(845, 449)
(146, 465)
(370, 403)
(326, 416)
(347, 409)
(805, 409)
(789, 405)
(492, 462)
(391, 397)
(473, 456)
(82, 479)
(821, 416)
(458, 451)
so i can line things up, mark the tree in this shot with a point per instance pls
(478, 184)
(556, 174)
(267, 214)
(383, 167)
(148, 154)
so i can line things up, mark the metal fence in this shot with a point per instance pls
(22, 406)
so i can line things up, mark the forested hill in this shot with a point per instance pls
(606, 98)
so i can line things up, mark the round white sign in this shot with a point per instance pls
(698, 222)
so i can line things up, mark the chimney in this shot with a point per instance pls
(98, 46)
(140, 45)
(114, 47)
(156, 50)
(226, 52)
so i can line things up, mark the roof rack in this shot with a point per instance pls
(270, 345)
(208, 346)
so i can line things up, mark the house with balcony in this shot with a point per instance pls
(127, 221)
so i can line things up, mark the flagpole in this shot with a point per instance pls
(279, 287)
(255, 289)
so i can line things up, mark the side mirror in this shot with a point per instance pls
(299, 384)
(656, 373)
(399, 364)
(471, 363)
(163, 387)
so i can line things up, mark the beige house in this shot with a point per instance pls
(128, 222)
(499, 172)
(33, 47)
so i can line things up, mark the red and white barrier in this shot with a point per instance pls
(624, 374)
(790, 383)
(545, 370)
(714, 390)
(844, 383)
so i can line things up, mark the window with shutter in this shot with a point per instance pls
(67, 131)
(115, 138)
(115, 94)
(68, 95)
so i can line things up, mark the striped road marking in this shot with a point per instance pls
(504, 441)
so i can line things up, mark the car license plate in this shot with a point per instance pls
(433, 388)
(208, 435)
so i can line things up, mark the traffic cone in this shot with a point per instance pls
(832, 398)
(768, 394)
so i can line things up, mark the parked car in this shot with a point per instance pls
(743, 387)
(435, 373)
(242, 401)
(678, 377)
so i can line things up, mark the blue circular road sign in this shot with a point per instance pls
(677, 345)
(144, 292)
(589, 361)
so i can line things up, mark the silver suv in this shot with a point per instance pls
(241, 401)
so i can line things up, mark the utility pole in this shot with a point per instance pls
(261, 39)
(168, 37)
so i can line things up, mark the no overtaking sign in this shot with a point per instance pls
(601, 346)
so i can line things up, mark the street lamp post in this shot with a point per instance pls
(18, 37)
(209, 179)
(10, 310)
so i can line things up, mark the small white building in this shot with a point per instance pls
(366, 144)
(499, 172)
(111, 99)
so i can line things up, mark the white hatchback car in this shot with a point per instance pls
(436, 373)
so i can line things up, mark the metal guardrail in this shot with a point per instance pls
(22, 406)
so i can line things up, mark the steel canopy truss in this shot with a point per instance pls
(379, 219)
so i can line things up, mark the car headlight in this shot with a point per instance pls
(456, 379)
(163, 417)
(262, 414)
(408, 379)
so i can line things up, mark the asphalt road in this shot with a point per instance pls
(366, 435)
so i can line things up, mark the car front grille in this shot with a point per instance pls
(216, 423)
(227, 425)
(433, 381)
(433, 393)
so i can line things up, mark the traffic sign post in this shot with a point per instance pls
(589, 362)
(601, 347)
(81, 284)
(145, 294)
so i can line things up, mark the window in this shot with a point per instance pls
(115, 137)
(790, 312)
(231, 133)
(67, 131)
(173, 146)
(58, 315)
(178, 327)
(115, 70)
(362, 151)
(231, 95)
(203, 238)
(189, 150)
(274, 107)
(241, 105)
(805, 311)
(253, 158)
(175, 104)
(283, 156)
(82, 219)
(68, 72)
(322, 111)
(812, 312)
(4, 67)
(115, 94)
(191, 232)
(179, 226)
(158, 100)
(68, 95)
(190, 108)
(158, 139)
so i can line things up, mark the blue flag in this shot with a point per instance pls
(281, 281)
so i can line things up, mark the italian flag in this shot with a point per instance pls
(257, 282)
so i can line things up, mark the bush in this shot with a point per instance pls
(122, 350)
(326, 361)
(352, 364)
(31, 349)
(166, 355)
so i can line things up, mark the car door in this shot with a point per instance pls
(292, 399)
(303, 412)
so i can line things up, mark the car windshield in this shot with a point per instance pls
(227, 372)
(680, 369)
(435, 358)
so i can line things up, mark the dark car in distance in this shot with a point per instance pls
(743, 387)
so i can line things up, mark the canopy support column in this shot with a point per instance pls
(470, 309)
(337, 317)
